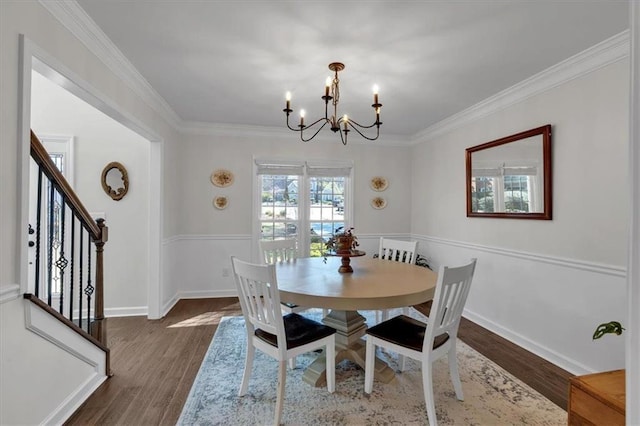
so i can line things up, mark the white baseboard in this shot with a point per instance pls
(554, 357)
(133, 311)
(207, 294)
(65, 410)
(170, 304)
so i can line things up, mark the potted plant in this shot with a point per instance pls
(608, 327)
(342, 241)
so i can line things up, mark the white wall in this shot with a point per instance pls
(544, 284)
(98, 141)
(208, 237)
(573, 265)
(33, 358)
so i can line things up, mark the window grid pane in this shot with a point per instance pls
(326, 211)
(279, 207)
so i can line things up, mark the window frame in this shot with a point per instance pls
(304, 204)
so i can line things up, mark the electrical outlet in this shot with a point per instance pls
(225, 272)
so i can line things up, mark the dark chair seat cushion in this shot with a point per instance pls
(299, 330)
(405, 331)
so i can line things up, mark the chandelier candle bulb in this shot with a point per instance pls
(327, 84)
(288, 99)
(302, 113)
(375, 94)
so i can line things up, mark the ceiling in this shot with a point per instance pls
(231, 62)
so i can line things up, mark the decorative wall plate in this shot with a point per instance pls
(222, 178)
(378, 203)
(378, 183)
(220, 203)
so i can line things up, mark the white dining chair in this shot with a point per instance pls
(426, 342)
(281, 337)
(397, 251)
(279, 251)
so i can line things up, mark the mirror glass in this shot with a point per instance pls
(115, 180)
(511, 177)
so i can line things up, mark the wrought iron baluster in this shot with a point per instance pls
(62, 262)
(50, 248)
(88, 290)
(81, 239)
(72, 268)
(38, 219)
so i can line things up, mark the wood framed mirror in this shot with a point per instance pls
(115, 180)
(511, 177)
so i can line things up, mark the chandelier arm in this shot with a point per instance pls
(306, 126)
(289, 126)
(352, 122)
(363, 135)
(344, 138)
(317, 131)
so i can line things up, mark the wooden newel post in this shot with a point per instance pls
(99, 327)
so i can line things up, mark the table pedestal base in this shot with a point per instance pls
(350, 326)
(345, 266)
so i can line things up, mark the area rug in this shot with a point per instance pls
(492, 395)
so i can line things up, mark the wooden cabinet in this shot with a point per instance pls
(597, 399)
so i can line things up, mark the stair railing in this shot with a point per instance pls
(64, 273)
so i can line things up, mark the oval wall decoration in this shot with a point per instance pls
(222, 178)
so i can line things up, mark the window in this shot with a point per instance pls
(304, 200)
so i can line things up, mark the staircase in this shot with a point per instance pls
(68, 281)
(64, 305)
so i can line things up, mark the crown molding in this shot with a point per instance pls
(75, 19)
(600, 55)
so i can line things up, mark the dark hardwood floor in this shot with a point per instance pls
(155, 362)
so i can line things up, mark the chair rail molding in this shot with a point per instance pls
(9, 292)
(616, 271)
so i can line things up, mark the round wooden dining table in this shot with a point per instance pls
(373, 284)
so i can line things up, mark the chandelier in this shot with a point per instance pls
(342, 125)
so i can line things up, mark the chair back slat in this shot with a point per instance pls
(450, 297)
(259, 297)
(399, 251)
(279, 251)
